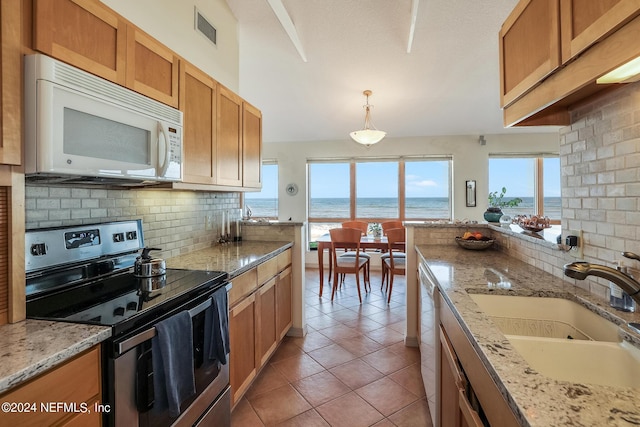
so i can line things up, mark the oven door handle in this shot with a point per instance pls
(148, 334)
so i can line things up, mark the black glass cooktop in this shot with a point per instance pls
(123, 300)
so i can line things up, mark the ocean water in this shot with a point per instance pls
(416, 208)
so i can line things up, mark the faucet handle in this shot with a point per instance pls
(631, 255)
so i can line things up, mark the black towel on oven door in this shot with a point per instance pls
(216, 332)
(174, 378)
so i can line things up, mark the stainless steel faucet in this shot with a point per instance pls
(580, 270)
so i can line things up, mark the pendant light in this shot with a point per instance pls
(367, 136)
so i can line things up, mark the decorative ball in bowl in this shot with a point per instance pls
(474, 241)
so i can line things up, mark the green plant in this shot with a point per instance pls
(375, 228)
(496, 200)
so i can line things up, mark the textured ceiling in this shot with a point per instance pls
(447, 85)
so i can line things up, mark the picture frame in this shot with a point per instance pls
(471, 193)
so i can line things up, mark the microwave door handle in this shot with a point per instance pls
(167, 152)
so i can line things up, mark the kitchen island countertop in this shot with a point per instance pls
(31, 347)
(535, 399)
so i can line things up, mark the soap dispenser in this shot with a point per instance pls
(619, 299)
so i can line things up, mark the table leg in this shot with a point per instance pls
(321, 266)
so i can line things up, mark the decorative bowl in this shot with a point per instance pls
(475, 245)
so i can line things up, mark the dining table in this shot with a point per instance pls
(366, 243)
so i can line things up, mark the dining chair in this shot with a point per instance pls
(363, 226)
(386, 226)
(348, 239)
(394, 264)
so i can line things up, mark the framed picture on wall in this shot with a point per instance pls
(471, 193)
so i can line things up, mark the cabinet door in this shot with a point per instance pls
(75, 381)
(242, 338)
(251, 146)
(84, 33)
(284, 318)
(449, 384)
(229, 147)
(10, 82)
(585, 22)
(152, 68)
(266, 329)
(198, 103)
(468, 416)
(529, 47)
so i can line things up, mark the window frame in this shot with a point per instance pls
(401, 187)
(538, 177)
(243, 201)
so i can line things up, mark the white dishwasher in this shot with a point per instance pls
(429, 338)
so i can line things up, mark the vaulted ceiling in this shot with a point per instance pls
(447, 84)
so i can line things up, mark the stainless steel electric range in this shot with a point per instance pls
(85, 274)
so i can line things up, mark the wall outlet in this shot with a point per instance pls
(573, 236)
(208, 221)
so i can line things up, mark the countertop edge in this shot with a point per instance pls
(32, 359)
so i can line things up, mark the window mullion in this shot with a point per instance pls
(352, 190)
(401, 191)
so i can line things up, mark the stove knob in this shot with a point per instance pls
(119, 311)
(132, 306)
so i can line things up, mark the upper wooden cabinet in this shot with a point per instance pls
(251, 146)
(84, 33)
(529, 47)
(540, 82)
(229, 147)
(152, 68)
(94, 38)
(11, 82)
(585, 22)
(198, 102)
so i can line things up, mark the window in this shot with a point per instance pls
(427, 189)
(264, 204)
(536, 180)
(377, 190)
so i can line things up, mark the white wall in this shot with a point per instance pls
(470, 161)
(172, 23)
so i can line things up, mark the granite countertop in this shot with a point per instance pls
(535, 399)
(234, 258)
(31, 347)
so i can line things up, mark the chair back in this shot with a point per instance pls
(388, 225)
(395, 236)
(345, 238)
(360, 225)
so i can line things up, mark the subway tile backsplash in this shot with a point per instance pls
(175, 221)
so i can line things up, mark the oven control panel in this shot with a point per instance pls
(58, 246)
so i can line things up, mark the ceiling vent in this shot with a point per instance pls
(203, 25)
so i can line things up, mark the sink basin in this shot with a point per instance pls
(604, 363)
(546, 317)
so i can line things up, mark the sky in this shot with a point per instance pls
(424, 179)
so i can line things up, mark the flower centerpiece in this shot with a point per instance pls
(497, 202)
(376, 230)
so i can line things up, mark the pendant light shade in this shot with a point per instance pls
(367, 136)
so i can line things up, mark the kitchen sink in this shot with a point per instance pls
(563, 340)
(603, 363)
(545, 317)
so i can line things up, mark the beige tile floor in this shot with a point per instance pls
(352, 369)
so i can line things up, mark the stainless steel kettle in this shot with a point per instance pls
(145, 266)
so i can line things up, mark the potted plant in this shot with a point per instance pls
(497, 202)
(376, 230)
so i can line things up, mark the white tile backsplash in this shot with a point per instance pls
(172, 220)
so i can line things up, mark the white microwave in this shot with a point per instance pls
(80, 128)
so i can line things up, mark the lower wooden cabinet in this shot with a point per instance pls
(260, 316)
(76, 383)
(242, 340)
(463, 378)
